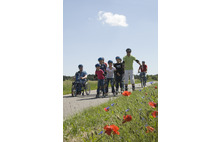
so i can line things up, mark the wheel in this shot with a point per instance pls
(141, 83)
(87, 88)
(73, 91)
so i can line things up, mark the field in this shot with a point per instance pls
(89, 125)
(68, 83)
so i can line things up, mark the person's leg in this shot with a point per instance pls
(98, 87)
(107, 84)
(132, 80)
(117, 84)
(112, 85)
(126, 79)
(103, 88)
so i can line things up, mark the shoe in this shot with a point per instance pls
(114, 94)
(97, 96)
(133, 88)
(126, 88)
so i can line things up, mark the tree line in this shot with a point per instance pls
(91, 77)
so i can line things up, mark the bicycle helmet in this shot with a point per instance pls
(101, 58)
(128, 50)
(143, 61)
(97, 65)
(110, 61)
(118, 58)
(79, 66)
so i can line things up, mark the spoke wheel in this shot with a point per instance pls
(87, 89)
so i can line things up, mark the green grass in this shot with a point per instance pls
(86, 126)
(67, 84)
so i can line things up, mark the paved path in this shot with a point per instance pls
(72, 105)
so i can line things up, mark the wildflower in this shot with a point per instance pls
(126, 93)
(155, 87)
(127, 118)
(149, 129)
(142, 97)
(143, 119)
(112, 104)
(145, 93)
(151, 82)
(152, 104)
(101, 133)
(106, 108)
(109, 129)
(127, 110)
(154, 114)
(140, 109)
(140, 90)
(146, 125)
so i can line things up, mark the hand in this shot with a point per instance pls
(81, 78)
(118, 74)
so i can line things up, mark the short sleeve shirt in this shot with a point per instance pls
(143, 68)
(128, 62)
(110, 72)
(79, 74)
(100, 74)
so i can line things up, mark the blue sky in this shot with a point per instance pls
(121, 24)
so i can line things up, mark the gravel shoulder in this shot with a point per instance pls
(73, 105)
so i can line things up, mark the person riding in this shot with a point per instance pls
(143, 69)
(119, 73)
(128, 66)
(80, 79)
(100, 75)
(110, 76)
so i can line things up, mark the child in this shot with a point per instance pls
(119, 73)
(102, 64)
(100, 76)
(110, 76)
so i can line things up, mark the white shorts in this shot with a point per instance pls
(129, 73)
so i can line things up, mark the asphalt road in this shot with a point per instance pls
(73, 105)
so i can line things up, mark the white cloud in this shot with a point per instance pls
(112, 19)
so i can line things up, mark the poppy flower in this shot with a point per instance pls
(106, 108)
(155, 87)
(109, 129)
(154, 114)
(127, 118)
(149, 129)
(126, 93)
(152, 104)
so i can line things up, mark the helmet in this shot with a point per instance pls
(79, 66)
(97, 65)
(110, 61)
(118, 58)
(128, 50)
(101, 58)
(143, 61)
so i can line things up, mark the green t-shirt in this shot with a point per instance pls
(128, 62)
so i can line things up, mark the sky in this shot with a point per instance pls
(106, 28)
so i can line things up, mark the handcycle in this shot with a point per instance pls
(85, 87)
(143, 79)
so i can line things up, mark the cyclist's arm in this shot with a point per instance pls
(138, 62)
(84, 77)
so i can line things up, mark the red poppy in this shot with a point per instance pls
(155, 87)
(109, 129)
(152, 104)
(127, 118)
(126, 93)
(154, 114)
(149, 129)
(106, 108)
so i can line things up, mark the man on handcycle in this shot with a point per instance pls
(143, 69)
(80, 79)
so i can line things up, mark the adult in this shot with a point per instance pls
(128, 66)
(80, 79)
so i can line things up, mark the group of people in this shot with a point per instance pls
(117, 74)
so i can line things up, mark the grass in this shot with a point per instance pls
(67, 84)
(87, 125)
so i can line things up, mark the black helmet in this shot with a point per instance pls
(79, 66)
(128, 50)
(143, 61)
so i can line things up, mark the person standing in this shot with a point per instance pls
(143, 70)
(110, 76)
(119, 74)
(128, 66)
